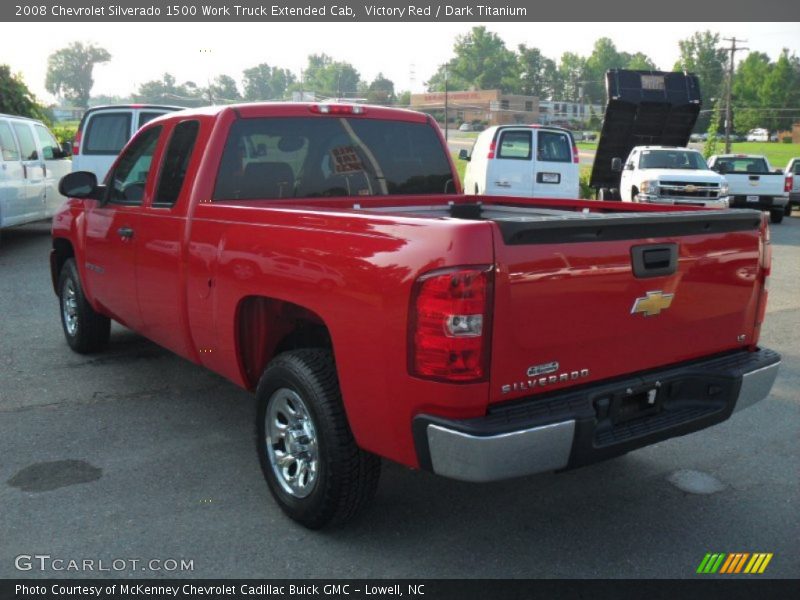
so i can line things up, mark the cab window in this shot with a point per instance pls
(127, 182)
(515, 145)
(26, 141)
(8, 145)
(50, 147)
(176, 162)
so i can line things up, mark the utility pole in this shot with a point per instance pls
(729, 91)
(446, 124)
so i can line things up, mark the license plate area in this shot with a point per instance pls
(752, 198)
(635, 404)
(542, 177)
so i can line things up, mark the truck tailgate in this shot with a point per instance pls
(582, 301)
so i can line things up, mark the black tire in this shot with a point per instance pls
(788, 210)
(603, 194)
(89, 330)
(346, 477)
(776, 215)
(634, 194)
(615, 195)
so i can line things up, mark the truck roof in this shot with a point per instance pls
(644, 108)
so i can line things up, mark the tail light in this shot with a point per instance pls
(450, 325)
(76, 144)
(575, 157)
(788, 182)
(492, 148)
(337, 109)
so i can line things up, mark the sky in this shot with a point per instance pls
(406, 53)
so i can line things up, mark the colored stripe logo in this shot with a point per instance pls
(733, 563)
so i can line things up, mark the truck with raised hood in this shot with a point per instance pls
(642, 155)
(324, 257)
(753, 183)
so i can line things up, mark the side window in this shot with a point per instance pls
(128, 180)
(8, 145)
(26, 142)
(554, 147)
(48, 143)
(515, 144)
(146, 117)
(175, 163)
(107, 133)
(797, 168)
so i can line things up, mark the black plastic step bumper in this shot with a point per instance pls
(594, 422)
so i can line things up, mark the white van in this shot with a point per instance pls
(31, 165)
(104, 131)
(758, 135)
(523, 160)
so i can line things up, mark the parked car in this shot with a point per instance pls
(465, 127)
(753, 183)
(104, 130)
(31, 165)
(531, 161)
(792, 174)
(481, 339)
(758, 135)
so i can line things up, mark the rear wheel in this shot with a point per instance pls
(788, 210)
(85, 329)
(314, 469)
(776, 215)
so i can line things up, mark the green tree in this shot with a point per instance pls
(701, 55)
(223, 90)
(639, 62)
(16, 98)
(538, 75)
(69, 71)
(572, 74)
(263, 82)
(781, 91)
(404, 98)
(327, 77)
(603, 58)
(711, 146)
(381, 90)
(748, 84)
(481, 61)
(167, 91)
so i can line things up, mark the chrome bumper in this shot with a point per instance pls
(550, 447)
(723, 202)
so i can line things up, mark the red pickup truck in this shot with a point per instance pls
(323, 256)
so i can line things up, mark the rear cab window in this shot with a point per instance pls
(146, 116)
(743, 165)
(553, 147)
(297, 157)
(8, 145)
(106, 133)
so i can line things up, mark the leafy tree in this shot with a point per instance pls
(572, 73)
(404, 98)
(327, 77)
(381, 90)
(748, 84)
(603, 58)
(223, 90)
(69, 71)
(16, 98)
(167, 91)
(481, 61)
(701, 55)
(538, 75)
(780, 90)
(639, 62)
(263, 82)
(711, 146)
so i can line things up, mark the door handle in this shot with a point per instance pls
(24, 171)
(125, 232)
(503, 184)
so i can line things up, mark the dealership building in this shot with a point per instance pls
(489, 106)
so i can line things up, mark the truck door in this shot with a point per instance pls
(510, 172)
(158, 264)
(33, 169)
(56, 165)
(13, 187)
(112, 231)
(555, 173)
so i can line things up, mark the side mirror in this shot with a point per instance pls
(463, 154)
(66, 148)
(616, 164)
(80, 184)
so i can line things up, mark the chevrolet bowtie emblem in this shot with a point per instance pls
(652, 304)
(691, 188)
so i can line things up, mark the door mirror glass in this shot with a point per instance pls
(80, 184)
(463, 154)
(616, 164)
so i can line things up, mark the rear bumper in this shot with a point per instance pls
(707, 202)
(763, 202)
(581, 426)
(794, 198)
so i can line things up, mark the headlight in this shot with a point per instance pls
(723, 189)
(649, 187)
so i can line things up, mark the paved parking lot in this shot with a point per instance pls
(138, 454)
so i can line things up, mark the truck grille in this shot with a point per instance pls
(687, 189)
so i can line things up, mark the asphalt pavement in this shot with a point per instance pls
(138, 455)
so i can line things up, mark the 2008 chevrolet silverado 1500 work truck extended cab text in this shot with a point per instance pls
(322, 255)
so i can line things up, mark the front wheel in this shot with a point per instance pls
(85, 329)
(776, 215)
(314, 469)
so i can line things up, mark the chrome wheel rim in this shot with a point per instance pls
(291, 441)
(69, 308)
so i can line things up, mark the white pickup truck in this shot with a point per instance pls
(792, 174)
(668, 175)
(753, 183)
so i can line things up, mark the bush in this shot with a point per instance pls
(586, 191)
(65, 132)
(786, 140)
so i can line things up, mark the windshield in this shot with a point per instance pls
(671, 159)
(302, 157)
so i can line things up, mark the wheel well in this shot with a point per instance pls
(265, 327)
(62, 251)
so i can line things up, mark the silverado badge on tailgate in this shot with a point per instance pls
(652, 304)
